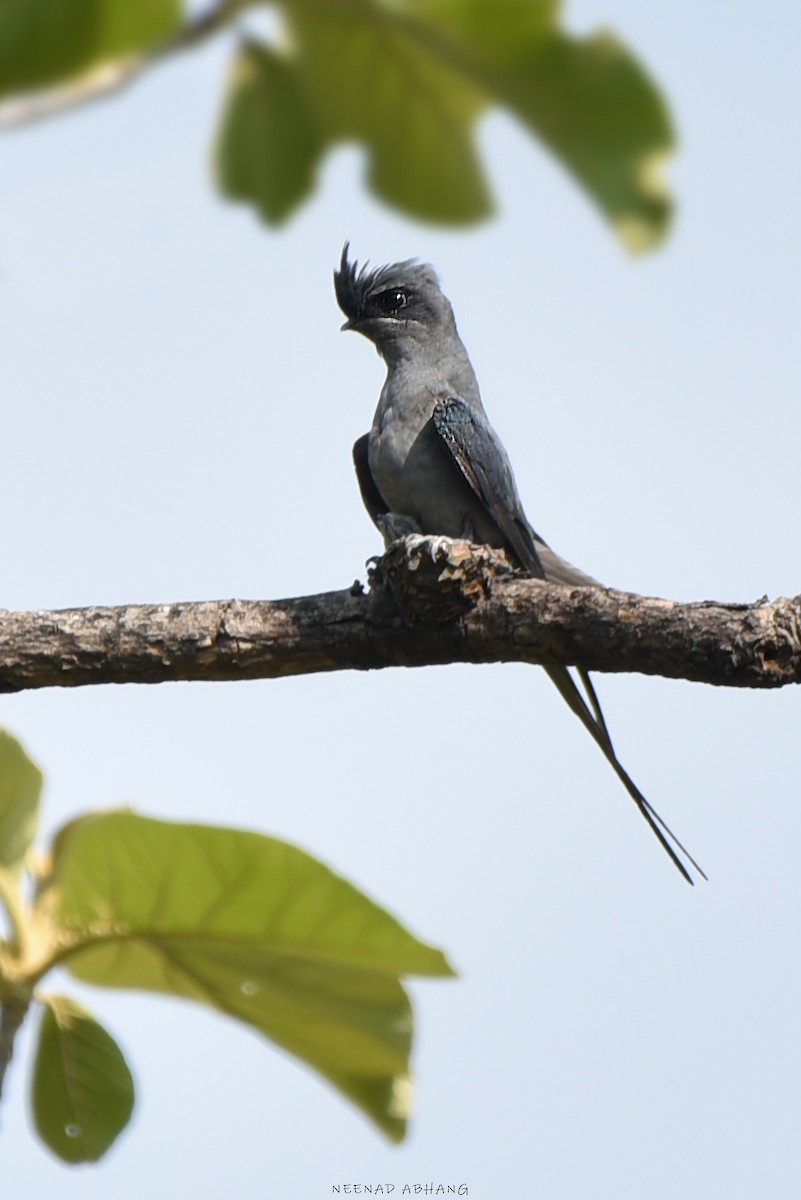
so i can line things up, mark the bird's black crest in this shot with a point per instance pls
(354, 285)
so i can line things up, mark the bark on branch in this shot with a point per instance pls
(431, 601)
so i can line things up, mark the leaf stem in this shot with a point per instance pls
(14, 1001)
(11, 901)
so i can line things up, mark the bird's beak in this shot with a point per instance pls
(349, 324)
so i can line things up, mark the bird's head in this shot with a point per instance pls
(393, 303)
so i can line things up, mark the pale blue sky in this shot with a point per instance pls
(179, 408)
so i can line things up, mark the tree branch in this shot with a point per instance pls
(431, 601)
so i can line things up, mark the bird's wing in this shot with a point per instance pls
(373, 500)
(482, 460)
(476, 450)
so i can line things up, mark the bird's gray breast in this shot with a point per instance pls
(400, 464)
(415, 473)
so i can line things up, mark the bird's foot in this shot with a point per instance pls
(394, 526)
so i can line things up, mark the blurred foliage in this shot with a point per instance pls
(246, 924)
(405, 79)
(44, 42)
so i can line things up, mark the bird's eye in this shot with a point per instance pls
(391, 302)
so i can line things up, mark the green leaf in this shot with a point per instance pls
(269, 144)
(407, 79)
(587, 99)
(20, 789)
(45, 42)
(414, 115)
(83, 1093)
(255, 928)
(594, 107)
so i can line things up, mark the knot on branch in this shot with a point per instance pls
(437, 579)
(777, 639)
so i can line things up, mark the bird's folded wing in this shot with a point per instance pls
(482, 460)
(373, 500)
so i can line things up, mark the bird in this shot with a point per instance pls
(433, 464)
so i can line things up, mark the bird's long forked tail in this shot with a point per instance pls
(596, 726)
